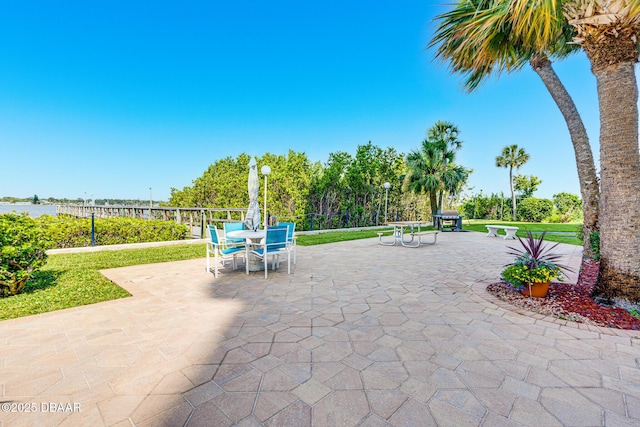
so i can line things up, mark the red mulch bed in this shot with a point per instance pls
(571, 302)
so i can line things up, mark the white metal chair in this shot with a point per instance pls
(221, 252)
(291, 238)
(275, 244)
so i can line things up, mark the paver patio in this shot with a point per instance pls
(359, 334)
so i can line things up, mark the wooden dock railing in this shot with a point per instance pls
(196, 218)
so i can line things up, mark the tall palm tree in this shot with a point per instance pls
(430, 169)
(512, 157)
(477, 40)
(423, 171)
(609, 33)
(446, 134)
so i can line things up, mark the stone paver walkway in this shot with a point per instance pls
(359, 334)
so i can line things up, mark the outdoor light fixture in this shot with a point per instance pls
(386, 186)
(266, 170)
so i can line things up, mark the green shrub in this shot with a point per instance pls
(487, 207)
(534, 210)
(22, 251)
(556, 218)
(66, 232)
(520, 274)
(568, 206)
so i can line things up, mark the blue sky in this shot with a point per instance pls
(107, 99)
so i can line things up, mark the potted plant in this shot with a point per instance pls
(534, 267)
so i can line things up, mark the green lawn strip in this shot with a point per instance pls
(343, 236)
(536, 228)
(127, 257)
(71, 280)
(51, 290)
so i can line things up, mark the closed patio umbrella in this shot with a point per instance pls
(252, 220)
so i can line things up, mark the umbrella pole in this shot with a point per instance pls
(266, 170)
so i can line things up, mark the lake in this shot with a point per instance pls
(34, 211)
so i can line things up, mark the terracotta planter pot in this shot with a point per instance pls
(538, 290)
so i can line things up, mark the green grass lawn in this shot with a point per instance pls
(72, 280)
(337, 236)
(567, 233)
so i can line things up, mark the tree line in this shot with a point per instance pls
(346, 190)
(374, 185)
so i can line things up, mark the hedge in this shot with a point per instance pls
(68, 232)
(534, 210)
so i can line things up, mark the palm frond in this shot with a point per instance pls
(479, 38)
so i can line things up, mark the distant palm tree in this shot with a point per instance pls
(512, 157)
(477, 40)
(430, 169)
(446, 134)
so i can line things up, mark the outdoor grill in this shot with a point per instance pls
(451, 220)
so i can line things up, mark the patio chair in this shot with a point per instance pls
(221, 252)
(231, 241)
(291, 238)
(275, 244)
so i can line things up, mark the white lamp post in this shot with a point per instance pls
(386, 186)
(150, 203)
(266, 170)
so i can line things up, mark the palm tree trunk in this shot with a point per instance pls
(620, 180)
(584, 158)
(433, 201)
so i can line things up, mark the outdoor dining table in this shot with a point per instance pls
(398, 231)
(251, 237)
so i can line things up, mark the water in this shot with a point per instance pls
(34, 211)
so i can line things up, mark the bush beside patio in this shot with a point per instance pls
(64, 231)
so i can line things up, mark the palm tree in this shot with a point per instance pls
(609, 33)
(423, 174)
(430, 169)
(512, 157)
(446, 134)
(477, 40)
